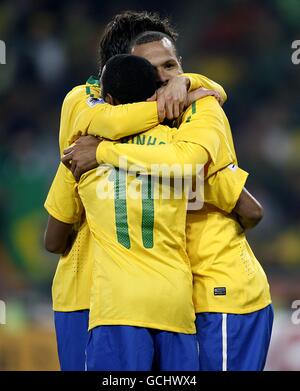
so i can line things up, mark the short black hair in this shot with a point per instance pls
(151, 36)
(129, 79)
(124, 27)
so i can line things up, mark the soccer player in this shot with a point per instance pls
(141, 309)
(72, 281)
(231, 292)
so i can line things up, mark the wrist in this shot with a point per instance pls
(186, 80)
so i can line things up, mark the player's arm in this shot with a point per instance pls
(115, 122)
(200, 81)
(196, 142)
(58, 236)
(64, 208)
(92, 115)
(248, 210)
(226, 190)
(201, 119)
(173, 98)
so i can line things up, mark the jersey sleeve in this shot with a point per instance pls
(115, 122)
(82, 114)
(63, 202)
(223, 189)
(201, 132)
(197, 81)
(196, 142)
(203, 124)
(162, 160)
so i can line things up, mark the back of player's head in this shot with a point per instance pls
(151, 36)
(128, 79)
(124, 27)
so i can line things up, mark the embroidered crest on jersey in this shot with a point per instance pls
(91, 101)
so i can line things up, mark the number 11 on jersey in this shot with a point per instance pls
(119, 178)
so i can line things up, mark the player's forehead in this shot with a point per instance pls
(158, 52)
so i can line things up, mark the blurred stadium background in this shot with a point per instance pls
(51, 47)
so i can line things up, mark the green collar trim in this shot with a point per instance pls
(93, 81)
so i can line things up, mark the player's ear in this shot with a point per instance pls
(180, 61)
(109, 99)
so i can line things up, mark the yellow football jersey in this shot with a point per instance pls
(227, 276)
(207, 131)
(82, 114)
(141, 273)
(72, 280)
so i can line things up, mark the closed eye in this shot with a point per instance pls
(169, 65)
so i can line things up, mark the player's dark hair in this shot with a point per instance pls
(151, 36)
(129, 79)
(124, 27)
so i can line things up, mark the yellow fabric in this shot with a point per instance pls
(223, 189)
(81, 114)
(205, 140)
(71, 288)
(219, 253)
(197, 81)
(218, 250)
(221, 257)
(114, 122)
(80, 111)
(136, 281)
(89, 115)
(145, 158)
(72, 280)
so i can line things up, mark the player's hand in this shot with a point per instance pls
(81, 157)
(202, 93)
(171, 98)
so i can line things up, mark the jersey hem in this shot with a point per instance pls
(229, 310)
(70, 309)
(114, 322)
(58, 216)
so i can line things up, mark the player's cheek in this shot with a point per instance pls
(173, 72)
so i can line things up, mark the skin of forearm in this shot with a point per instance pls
(249, 210)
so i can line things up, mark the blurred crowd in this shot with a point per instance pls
(244, 45)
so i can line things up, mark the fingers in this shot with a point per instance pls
(202, 93)
(176, 109)
(152, 98)
(171, 99)
(169, 109)
(219, 98)
(161, 108)
(86, 139)
(73, 166)
(182, 106)
(216, 95)
(77, 173)
(68, 150)
(67, 159)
